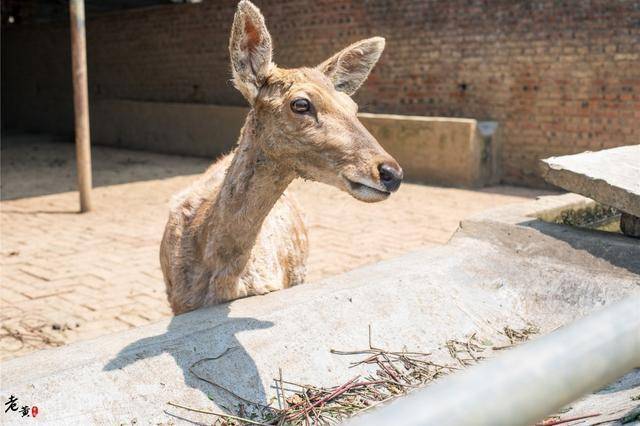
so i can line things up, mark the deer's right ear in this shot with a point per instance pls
(250, 50)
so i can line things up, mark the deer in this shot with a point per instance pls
(237, 231)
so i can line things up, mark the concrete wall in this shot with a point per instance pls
(443, 151)
(560, 77)
(174, 128)
(435, 150)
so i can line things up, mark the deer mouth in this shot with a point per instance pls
(366, 193)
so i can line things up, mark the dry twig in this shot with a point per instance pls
(557, 421)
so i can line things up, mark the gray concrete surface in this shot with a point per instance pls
(434, 150)
(505, 268)
(610, 176)
(558, 368)
(172, 128)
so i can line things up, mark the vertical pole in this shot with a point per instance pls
(81, 102)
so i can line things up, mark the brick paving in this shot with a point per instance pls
(66, 276)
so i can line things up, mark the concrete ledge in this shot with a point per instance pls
(518, 229)
(498, 270)
(438, 150)
(172, 128)
(434, 150)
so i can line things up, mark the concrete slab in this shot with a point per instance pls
(506, 269)
(440, 150)
(610, 176)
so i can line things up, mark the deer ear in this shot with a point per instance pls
(350, 67)
(250, 50)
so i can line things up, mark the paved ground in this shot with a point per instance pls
(66, 276)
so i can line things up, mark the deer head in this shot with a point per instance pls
(305, 117)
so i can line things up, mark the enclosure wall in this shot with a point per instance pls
(559, 77)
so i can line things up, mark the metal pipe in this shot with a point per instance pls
(531, 381)
(81, 102)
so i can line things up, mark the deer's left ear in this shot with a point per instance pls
(350, 67)
(250, 50)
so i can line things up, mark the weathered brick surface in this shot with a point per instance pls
(66, 276)
(560, 77)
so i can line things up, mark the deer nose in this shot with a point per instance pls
(390, 176)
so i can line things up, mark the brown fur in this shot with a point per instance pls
(236, 232)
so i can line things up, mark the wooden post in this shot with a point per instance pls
(81, 102)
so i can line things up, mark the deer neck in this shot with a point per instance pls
(252, 185)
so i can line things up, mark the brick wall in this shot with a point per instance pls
(559, 76)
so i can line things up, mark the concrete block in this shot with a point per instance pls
(172, 128)
(441, 151)
(610, 176)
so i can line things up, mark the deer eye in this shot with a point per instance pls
(300, 105)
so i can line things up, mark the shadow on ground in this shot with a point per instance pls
(212, 359)
(34, 165)
(630, 380)
(616, 249)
